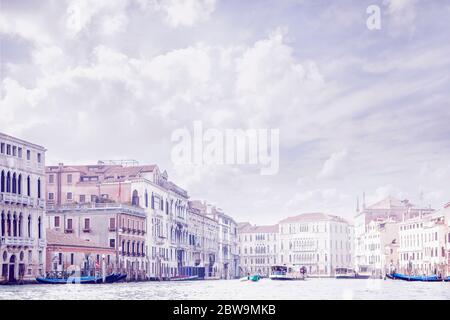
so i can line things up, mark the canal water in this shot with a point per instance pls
(236, 290)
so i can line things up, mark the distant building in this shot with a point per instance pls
(424, 243)
(227, 257)
(379, 242)
(388, 209)
(204, 234)
(22, 205)
(317, 241)
(258, 248)
(119, 227)
(67, 253)
(146, 187)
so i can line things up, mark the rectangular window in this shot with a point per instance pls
(28, 155)
(8, 149)
(69, 224)
(56, 222)
(87, 224)
(14, 151)
(72, 259)
(2, 148)
(69, 178)
(93, 198)
(112, 223)
(112, 243)
(19, 153)
(39, 158)
(69, 195)
(51, 178)
(51, 196)
(82, 198)
(60, 258)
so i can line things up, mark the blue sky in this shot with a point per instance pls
(358, 109)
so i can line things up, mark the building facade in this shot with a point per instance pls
(380, 246)
(258, 248)
(22, 205)
(389, 209)
(317, 241)
(204, 234)
(121, 228)
(424, 243)
(147, 189)
(68, 255)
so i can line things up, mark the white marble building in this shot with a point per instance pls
(22, 205)
(317, 241)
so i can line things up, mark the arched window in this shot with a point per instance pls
(14, 183)
(3, 225)
(20, 225)
(8, 182)
(19, 184)
(14, 225)
(8, 225)
(29, 186)
(146, 199)
(29, 226)
(39, 228)
(39, 188)
(2, 181)
(135, 198)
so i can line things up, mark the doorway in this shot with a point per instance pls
(12, 269)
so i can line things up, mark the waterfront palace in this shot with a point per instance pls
(22, 232)
(120, 216)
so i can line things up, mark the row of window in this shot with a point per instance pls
(15, 151)
(11, 182)
(12, 225)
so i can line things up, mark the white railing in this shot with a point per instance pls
(17, 241)
(97, 206)
(16, 198)
(42, 243)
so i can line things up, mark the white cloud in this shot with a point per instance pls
(188, 13)
(334, 165)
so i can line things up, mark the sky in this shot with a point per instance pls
(358, 110)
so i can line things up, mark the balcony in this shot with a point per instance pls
(112, 229)
(86, 230)
(17, 241)
(112, 206)
(16, 199)
(68, 230)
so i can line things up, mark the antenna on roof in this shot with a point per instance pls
(364, 200)
(120, 162)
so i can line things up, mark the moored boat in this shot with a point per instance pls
(285, 273)
(184, 278)
(70, 280)
(348, 273)
(424, 278)
(111, 278)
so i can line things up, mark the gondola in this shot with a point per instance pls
(111, 278)
(81, 280)
(432, 278)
